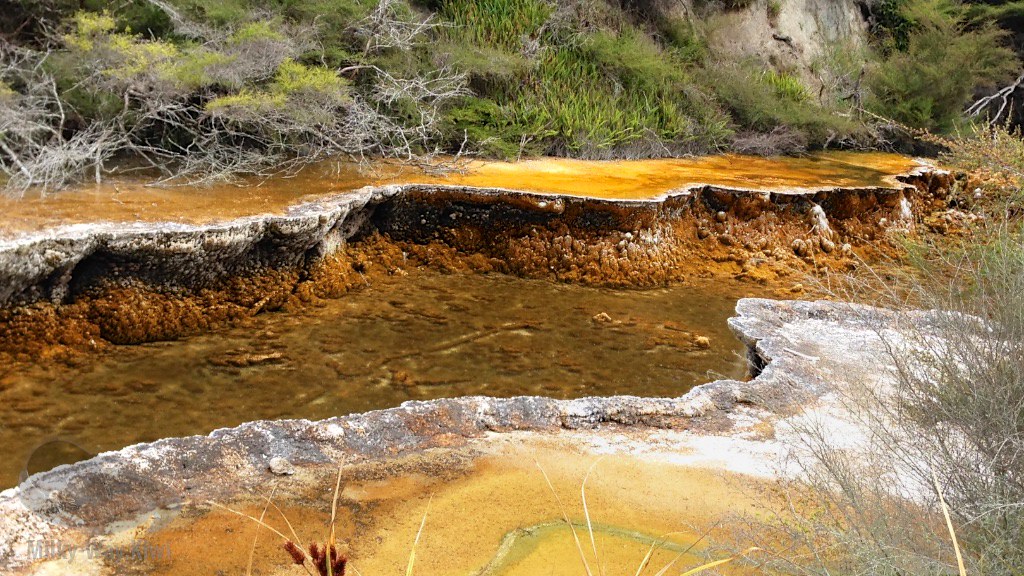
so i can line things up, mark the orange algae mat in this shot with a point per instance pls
(128, 200)
(498, 518)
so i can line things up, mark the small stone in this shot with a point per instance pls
(720, 216)
(727, 239)
(281, 467)
(703, 233)
(702, 342)
(827, 246)
(243, 359)
(977, 193)
(797, 288)
(602, 318)
(846, 249)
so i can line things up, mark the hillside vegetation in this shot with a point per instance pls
(198, 89)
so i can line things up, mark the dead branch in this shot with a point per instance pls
(1002, 96)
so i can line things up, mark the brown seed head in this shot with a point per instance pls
(298, 556)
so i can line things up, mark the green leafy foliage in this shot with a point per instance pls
(932, 74)
(764, 101)
(575, 77)
(684, 39)
(786, 86)
(545, 89)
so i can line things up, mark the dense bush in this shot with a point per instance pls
(771, 102)
(218, 97)
(934, 62)
(577, 91)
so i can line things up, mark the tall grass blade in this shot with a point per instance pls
(412, 553)
(654, 546)
(565, 516)
(253, 518)
(252, 551)
(265, 525)
(334, 515)
(949, 524)
(286, 521)
(710, 565)
(586, 514)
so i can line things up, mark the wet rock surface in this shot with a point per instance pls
(798, 352)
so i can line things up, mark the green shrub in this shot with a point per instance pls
(786, 86)
(763, 101)
(892, 26)
(485, 63)
(222, 13)
(684, 39)
(944, 62)
(584, 105)
(498, 23)
(586, 94)
(634, 60)
(724, 4)
(488, 127)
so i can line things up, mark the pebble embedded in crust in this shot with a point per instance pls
(281, 467)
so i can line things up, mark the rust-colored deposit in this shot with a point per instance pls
(135, 312)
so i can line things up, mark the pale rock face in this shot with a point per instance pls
(804, 32)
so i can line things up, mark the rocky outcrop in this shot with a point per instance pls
(798, 353)
(790, 35)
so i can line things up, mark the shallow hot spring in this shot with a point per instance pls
(417, 337)
(489, 512)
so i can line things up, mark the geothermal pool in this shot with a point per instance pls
(494, 515)
(422, 336)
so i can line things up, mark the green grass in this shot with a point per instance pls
(609, 91)
(786, 86)
(497, 23)
(762, 101)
